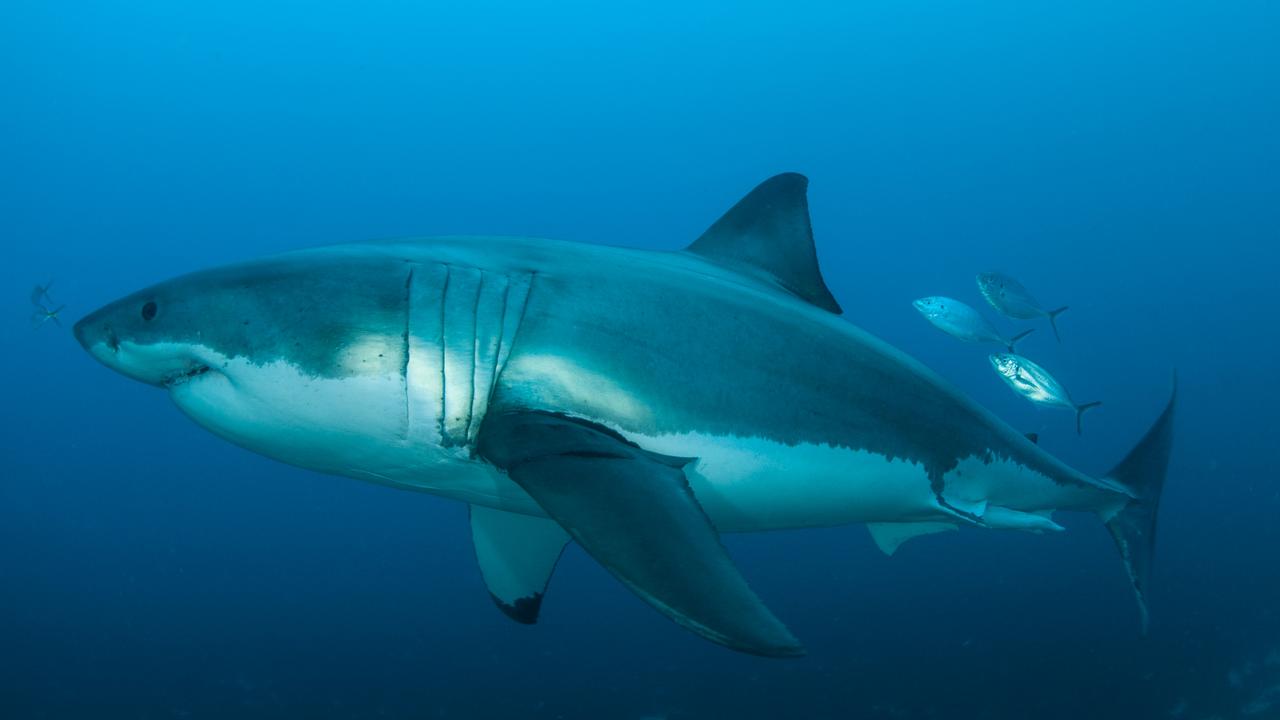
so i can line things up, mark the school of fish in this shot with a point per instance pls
(1011, 299)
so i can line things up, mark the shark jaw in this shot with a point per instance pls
(164, 365)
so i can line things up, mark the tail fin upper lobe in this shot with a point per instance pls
(1053, 320)
(1080, 414)
(1014, 340)
(1134, 527)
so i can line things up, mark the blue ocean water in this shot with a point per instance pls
(1119, 157)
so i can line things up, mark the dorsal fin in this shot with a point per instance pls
(767, 234)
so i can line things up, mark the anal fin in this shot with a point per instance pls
(1003, 518)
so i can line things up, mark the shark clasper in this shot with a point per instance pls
(638, 403)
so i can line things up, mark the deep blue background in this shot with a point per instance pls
(1117, 156)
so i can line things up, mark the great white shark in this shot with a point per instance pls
(637, 402)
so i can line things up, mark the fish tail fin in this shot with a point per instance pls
(1053, 320)
(1133, 527)
(1014, 340)
(1080, 410)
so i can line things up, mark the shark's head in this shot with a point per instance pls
(300, 357)
(135, 338)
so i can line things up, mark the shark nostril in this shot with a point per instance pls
(113, 341)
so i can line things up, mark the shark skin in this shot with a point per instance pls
(481, 369)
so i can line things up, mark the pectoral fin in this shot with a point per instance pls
(634, 512)
(517, 554)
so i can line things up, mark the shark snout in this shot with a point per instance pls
(95, 335)
(81, 331)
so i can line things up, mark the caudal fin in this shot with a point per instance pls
(1080, 414)
(1134, 527)
(1053, 320)
(1014, 340)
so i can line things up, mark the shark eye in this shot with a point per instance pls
(149, 310)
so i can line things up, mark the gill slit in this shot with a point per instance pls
(505, 346)
(475, 354)
(502, 339)
(444, 295)
(404, 356)
(524, 306)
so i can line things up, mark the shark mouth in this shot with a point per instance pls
(185, 376)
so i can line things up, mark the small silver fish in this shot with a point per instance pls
(40, 294)
(1010, 298)
(1036, 384)
(43, 315)
(961, 321)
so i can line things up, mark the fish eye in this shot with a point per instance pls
(149, 310)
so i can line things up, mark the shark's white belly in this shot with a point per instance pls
(748, 484)
(360, 427)
(357, 427)
(755, 484)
